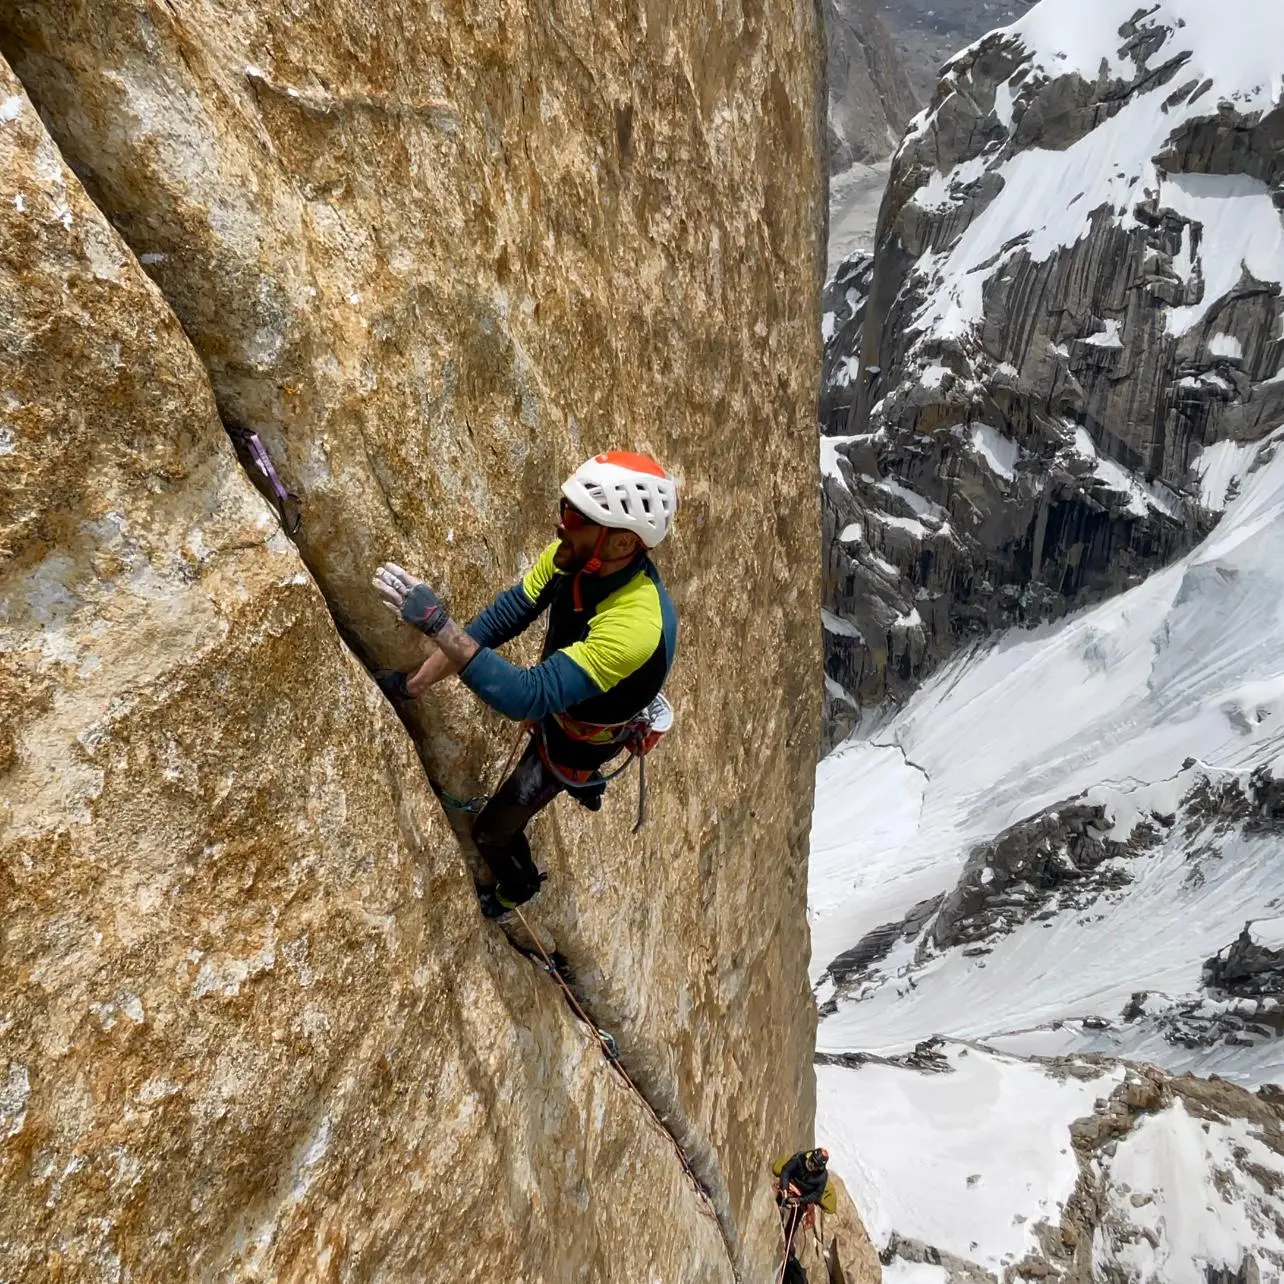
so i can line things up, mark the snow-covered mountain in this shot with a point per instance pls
(1076, 292)
(1070, 843)
(1047, 874)
(1066, 817)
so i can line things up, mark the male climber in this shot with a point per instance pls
(802, 1183)
(612, 631)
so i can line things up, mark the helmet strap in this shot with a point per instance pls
(591, 567)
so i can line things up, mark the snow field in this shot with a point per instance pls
(1189, 1184)
(969, 1162)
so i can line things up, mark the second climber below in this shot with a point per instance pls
(612, 634)
(803, 1184)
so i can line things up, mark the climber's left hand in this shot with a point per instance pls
(410, 599)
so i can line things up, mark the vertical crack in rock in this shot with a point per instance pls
(388, 248)
(708, 1184)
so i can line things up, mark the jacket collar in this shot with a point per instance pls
(596, 588)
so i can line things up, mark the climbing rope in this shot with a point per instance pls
(611, 1052)
(789, 1244)
(610, 1049)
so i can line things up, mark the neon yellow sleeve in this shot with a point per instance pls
(622, 636)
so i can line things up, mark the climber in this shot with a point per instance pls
(802, 1184)
(612, 631)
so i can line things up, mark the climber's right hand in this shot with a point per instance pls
(392, 682)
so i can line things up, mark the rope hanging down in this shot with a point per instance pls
(612, 1054)
(789, 1244)
(610, 1049)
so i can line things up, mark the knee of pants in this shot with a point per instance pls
(501, 830)
(481, 832)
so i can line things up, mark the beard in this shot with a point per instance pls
(566, 558)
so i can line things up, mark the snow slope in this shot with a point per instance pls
(1026, 1169)
(1193, 1187)
(1188, 665)
(946, 1190)
(1122, 750)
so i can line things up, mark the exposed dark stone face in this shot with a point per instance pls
(1051, 862)
(871, 98)
(842, 311)
(1248, 968)
(1046, 454)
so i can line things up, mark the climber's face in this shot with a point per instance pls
(577, 538)
(580, 539)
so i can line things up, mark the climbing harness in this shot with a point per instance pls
(639, 736)
(250, 444)
(611, 1052)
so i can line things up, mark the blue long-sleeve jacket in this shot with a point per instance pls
(602, 664)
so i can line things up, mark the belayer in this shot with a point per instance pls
(802, 1185)
(612, 633)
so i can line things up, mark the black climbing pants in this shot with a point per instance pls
(500, 830)
(794, 1273)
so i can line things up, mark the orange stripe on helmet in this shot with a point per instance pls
(630, 459)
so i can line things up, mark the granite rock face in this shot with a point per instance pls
(254, 1024)
(871, 99)
(251, 1021)
(1073, 321)
(837, 1249)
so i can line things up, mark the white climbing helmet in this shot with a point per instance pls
(626, 491)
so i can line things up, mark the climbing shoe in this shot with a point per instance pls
(495, 903)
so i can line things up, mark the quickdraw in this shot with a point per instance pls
(473, 806)
(248, 443)
(470, 806)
